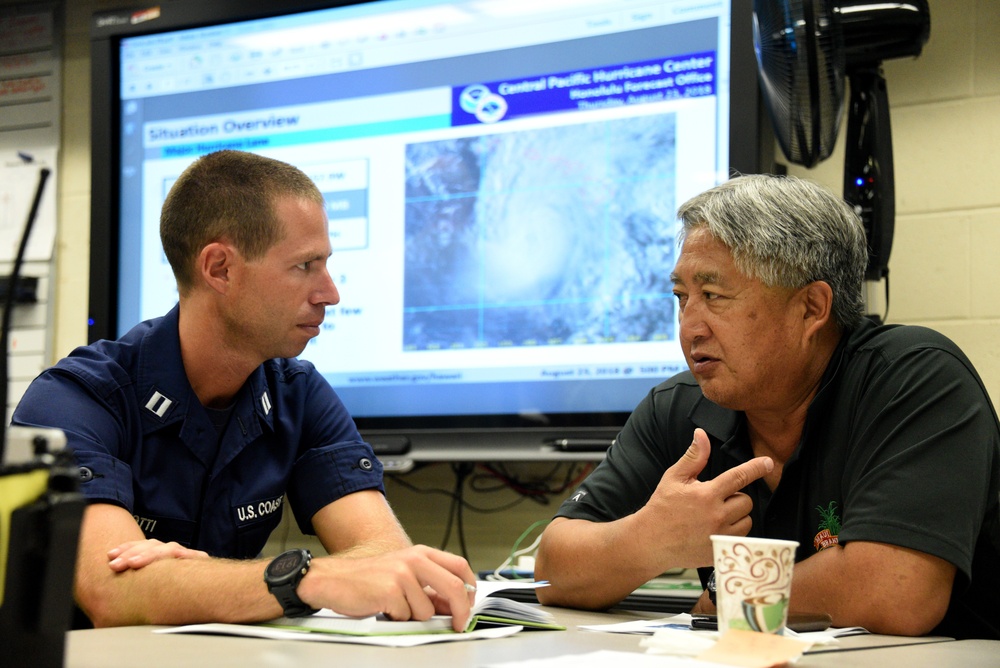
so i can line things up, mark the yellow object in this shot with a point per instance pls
(750, 649)
(16, 490)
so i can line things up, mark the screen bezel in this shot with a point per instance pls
(751, 150)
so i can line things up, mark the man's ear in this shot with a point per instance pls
(215, 264)
(818, 300)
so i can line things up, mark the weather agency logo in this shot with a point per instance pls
(484, 104)
(829, 527)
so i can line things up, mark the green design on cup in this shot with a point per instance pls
(766, 613)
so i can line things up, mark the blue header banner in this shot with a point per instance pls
(690, 75)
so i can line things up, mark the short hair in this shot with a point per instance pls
(787, 232)
(227, 195)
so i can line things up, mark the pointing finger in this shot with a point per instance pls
(736, 478)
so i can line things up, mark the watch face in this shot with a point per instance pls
(284, 564)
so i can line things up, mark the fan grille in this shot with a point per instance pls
(800, 55)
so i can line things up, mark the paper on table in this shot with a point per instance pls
(412, 640)
(676, 642)
(681, 622)
(827, 637)
(745, 648)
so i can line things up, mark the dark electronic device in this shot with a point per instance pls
(582, 444)
(798, 622)
(282, 577)
(27, 289)
(807, 51)
(390, 445)
(501, 183)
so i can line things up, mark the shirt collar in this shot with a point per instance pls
(163, 389)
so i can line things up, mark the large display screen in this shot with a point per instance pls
(501, 179)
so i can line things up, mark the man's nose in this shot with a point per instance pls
(692, 322)
(328, 294)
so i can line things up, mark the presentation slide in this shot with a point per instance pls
(494, 221)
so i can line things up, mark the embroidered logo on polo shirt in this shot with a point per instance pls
(159, 404)
(829, 527)
(265, 403)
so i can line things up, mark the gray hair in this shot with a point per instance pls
(787, 232)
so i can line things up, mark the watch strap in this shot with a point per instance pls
(287, 591)
(292, 605)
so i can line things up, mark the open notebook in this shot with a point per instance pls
(490, 615)
(487, 612)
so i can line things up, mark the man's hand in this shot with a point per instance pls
(123, 578)
(412, 583)
(674, 528)
(138, 553)
(683, 512)
(704, 605)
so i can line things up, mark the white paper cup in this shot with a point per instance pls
(753, 582)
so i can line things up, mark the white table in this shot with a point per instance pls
(127, 647)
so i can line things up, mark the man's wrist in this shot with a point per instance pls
(282, 577)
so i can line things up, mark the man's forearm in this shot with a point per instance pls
(180, 591)
(591, 565)
(373, 548)
(884, 588)
(360, 525)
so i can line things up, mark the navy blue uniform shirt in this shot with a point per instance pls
(144, 441)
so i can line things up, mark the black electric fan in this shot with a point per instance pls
(806, 50)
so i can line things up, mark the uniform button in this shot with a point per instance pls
(365, 464)
(86, 474)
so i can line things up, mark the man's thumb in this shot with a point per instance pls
(695, 457)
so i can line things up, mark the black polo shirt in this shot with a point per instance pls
(901, 445)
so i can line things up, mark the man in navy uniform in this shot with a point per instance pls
(192, 428)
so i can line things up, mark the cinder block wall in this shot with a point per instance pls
(944, 271)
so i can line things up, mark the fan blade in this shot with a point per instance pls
(800, 60)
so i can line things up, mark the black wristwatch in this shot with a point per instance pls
(283, 575)
(711, 588)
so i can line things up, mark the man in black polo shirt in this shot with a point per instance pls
(875, 447)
